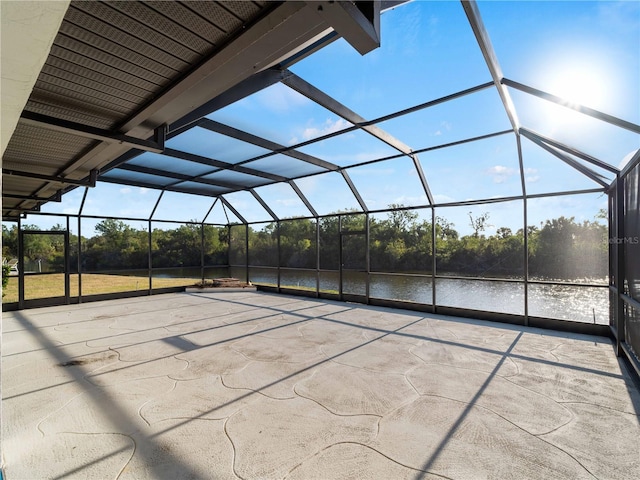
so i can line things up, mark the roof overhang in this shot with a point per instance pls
(114, 81)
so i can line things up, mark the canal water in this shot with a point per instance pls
(567, 302)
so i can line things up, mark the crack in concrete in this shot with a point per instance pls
(333, 359)
(50, 414)
(173, 387)
(135, 449)
(598, 405)
(252, 390)
(331, 411)
(294, 468)
(233, 448)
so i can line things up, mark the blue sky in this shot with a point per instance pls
(588, 51)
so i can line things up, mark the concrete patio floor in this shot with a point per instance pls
(242, 384)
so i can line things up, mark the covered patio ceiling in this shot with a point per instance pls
(145, 94)
(125, 74)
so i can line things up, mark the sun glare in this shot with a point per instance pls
(579, 85)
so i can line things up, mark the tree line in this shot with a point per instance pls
(560, 248)
(118, 246)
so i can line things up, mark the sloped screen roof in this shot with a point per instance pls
(420, 121)
(426, 119)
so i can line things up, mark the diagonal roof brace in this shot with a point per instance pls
(618, 122)
(264, 204)
(80, 130)
(304, 199)
(226, 203)
(303, 87)
(354, 190)
(575, 152)
(484, 42)
(423, 178)
(569, 161)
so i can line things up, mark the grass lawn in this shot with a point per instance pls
(44, 286)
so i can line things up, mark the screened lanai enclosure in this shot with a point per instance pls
(438, 156)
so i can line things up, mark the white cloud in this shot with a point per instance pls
(280, 98)
(442, 199)
(288, 202)
(329, 126)
(501, 170)
(411, 200)
(444, 125)
(500, 173)
(125, 190)
(531, 175)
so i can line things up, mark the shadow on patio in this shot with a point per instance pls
(251, 385)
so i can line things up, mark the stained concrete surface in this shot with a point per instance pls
(242, 384)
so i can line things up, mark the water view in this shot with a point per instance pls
(567, 302)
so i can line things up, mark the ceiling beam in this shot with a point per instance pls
(357, 22)
(280, 32)
(57, 197)
(221, 165)
(247, 87)
(179, 176)
(86, 131)
(151, 186)
(90, 182)
(264, 143)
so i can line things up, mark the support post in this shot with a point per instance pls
(20, 265)
(525, 231)
(279, 256)
(340, 259)
(202, 253)
(620, 277)
(433, 259)
(317, 257)
(67, 277)
(150, 259)
(246, 252)
(368, 259)
(79, 261)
